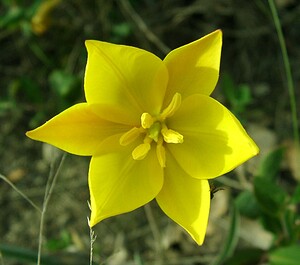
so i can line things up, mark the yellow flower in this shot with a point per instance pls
(152, 130)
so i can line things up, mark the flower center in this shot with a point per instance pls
(156, 131)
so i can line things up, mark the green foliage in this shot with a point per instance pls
(48, 57)
(120, 31)
(296, 196)
(270, 167)
(238, 96)
(230, 244)
(60, 243)
(28, 256)
(285, 255)
(270, 196)
(65, 86)
(246, 256)
(247, 204)
(277, 209)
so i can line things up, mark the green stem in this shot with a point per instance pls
(288, 71)
(284, 226)
(92, 240)
(156, 234)
(1, 259)
(48, 192)
(20, 192)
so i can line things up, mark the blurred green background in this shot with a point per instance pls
(254, 220)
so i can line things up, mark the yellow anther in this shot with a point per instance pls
(146, 120)
(173, 106)
(141, 151)
(154, 130)
(172, 137)
(130, 136)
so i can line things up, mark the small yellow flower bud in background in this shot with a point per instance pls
(41, 20)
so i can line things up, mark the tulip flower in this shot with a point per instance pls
(152, 130)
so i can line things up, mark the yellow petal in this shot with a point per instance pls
(77, 130)
(129, 78)
(115, 114)
(194, 68)
(119, 184)
(214, 140)
(186, 200)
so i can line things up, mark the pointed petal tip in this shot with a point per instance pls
(93, 221)
(256, 150)
(28, 134)
(88, 42)
(253, 147)
(91, 44)
(197, 235)
(38, 134)
(218, 33)
(95, 218)
(199, 239)
(31, 134)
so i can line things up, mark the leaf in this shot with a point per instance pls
(12, 17)
(31, 90)
(247, 204)
(63, 241)
(6, 105)
(244, 95)
(270, 197)
(271, 223)
(121, 30)
(248, 256)
(27, 256)
(296, 196)
(62, 83)
(229, 88)
(285, 256)
(232, 238)
(270, 166)
(292, 228)
(239, 96)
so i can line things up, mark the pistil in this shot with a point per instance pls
(154, 129)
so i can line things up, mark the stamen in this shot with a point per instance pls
(130, 136)
(154, 129)
(173, 106)
(141, 151)
(161, 154)
(171, 137)
(146, 120)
